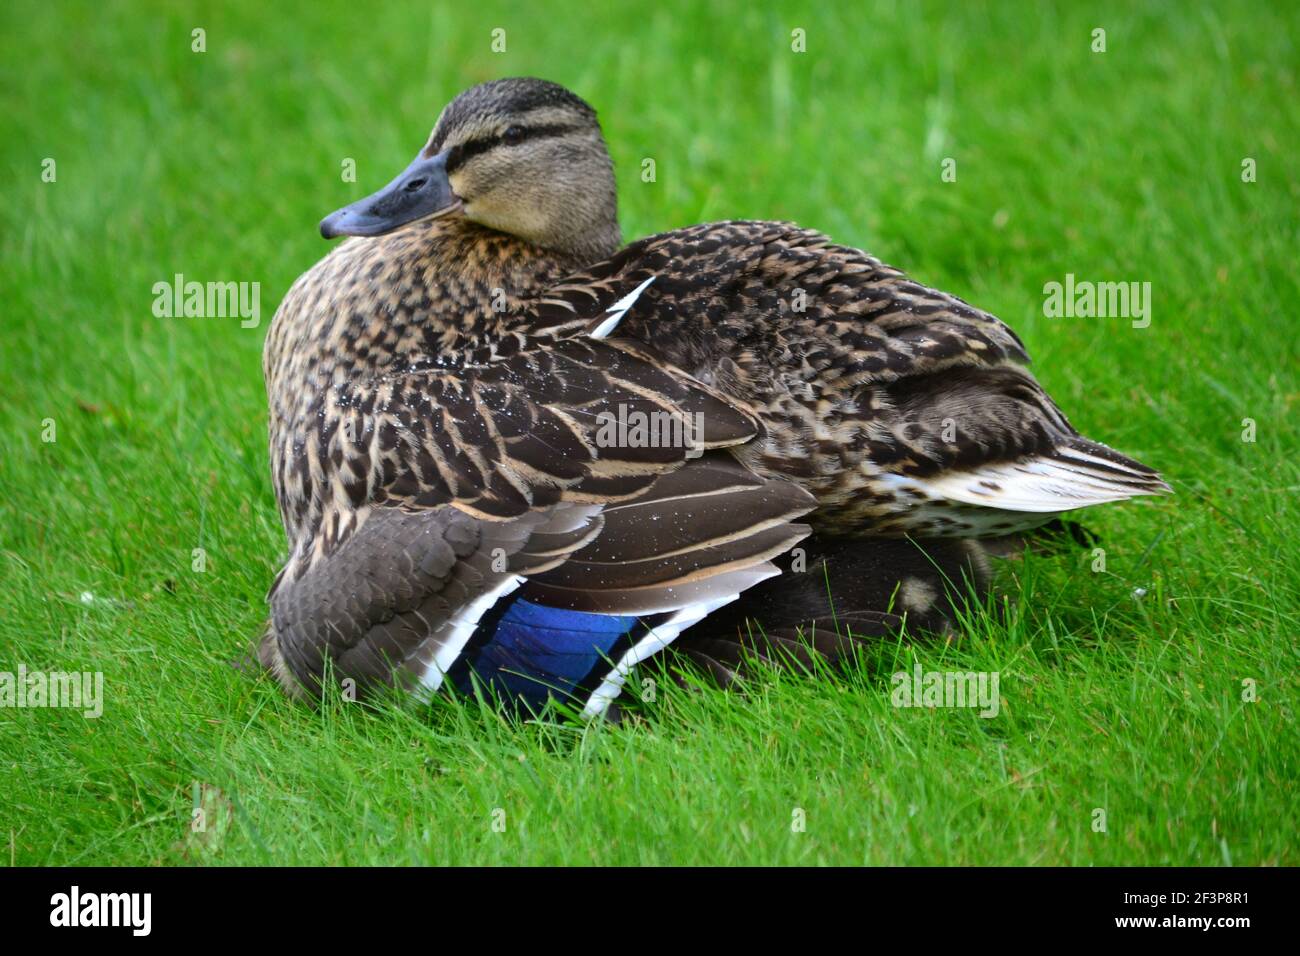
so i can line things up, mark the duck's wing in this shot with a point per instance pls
(894, 402)
(442, 491)
(663, 561)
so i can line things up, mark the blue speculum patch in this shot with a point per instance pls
(531, 652)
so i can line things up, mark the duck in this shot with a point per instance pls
(511, 452)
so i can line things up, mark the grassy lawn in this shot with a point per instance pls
(1162, 690)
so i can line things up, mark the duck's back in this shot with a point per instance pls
(904, 409)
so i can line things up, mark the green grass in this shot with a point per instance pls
(1123, 165)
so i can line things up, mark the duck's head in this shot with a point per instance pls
(522, 156)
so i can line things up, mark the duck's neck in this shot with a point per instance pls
(464, 247)
(590, 245)
(429, 293)
(470, 264)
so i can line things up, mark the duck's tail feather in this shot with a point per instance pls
(1075, 474)
(983, 452)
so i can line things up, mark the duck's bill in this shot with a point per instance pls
(421, 191)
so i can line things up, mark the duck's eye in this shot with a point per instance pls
(513, 136)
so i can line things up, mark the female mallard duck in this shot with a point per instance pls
(443, 390)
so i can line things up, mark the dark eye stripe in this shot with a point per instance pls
(463, 151)
(554, 129)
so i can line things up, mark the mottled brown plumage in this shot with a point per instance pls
(877, 394)
(406, 413)
(437, 390)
